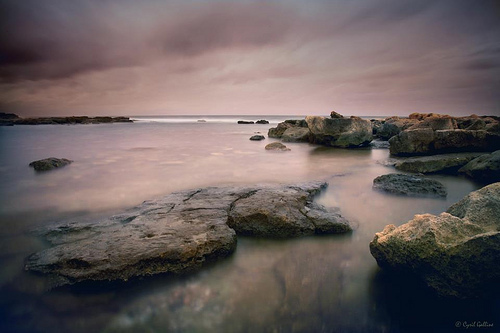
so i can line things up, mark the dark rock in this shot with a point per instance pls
(340, 132)
(296, 134)
(262, 121)
(457, 253)
(410, 185)
(201, 121)
(244, 122)
(277, 132)
(257, 137)
(335, 115)
(393, 126)
(277, 146)
(485, 168)
(49, 163)
(8, 116)
(376, 125)
(180, 232)
(444, 163)
(71, 120)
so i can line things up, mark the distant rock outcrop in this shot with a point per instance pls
(49, 163)
(74, 120)
(180, 232)
(398, 183)
(457, 253)
(262, 121)
(245, 122)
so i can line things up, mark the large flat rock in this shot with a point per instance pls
(444, 163)
(180, 232)
(457, 252)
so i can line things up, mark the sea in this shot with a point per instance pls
(309, 284)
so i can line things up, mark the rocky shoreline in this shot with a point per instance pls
(10, 119)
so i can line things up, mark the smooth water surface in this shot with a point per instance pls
(311, 284)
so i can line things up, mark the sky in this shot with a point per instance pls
(293, 57)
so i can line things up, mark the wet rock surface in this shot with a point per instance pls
(443, 163)
(485, 168)
(49, 163)
(257, 137)
(340, 132)
(410, 185)
(180, 232)
(457, 253)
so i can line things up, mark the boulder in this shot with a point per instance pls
(393, 126)
(277, 146)
(444, 163)
(485, 168)
(335, 115)
(49, 163)
(180, 232)
(340, 132)
(262, 121)
(257, 137)
(284, 213)
(437, 122)
(296, 134)
(277, 132)
(410, 185)
(457, 253)
(376, 125)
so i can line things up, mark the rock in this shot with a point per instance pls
(70, 120)
(296, 134)
(180, 232)
(379, 144)
(49, 163)
(8, 116)
(441, 134)
(262, 121)
(444, 163)
(422, 116)
(457, 253)
(398, 183)
(284, 213)
(277, 146)
(201, 121)
(335, 115)
(485, 168)
(277, 132)
(257, 137)
(340, 132)
(244, 122)
(393, 126)
(376, 125)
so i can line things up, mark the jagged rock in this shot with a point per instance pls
(340, 132)
(457, 253)
(444, 163)
(393, 126)
(49, 163)
(262, 121)
(485, 168)
(257, 137)
(277, 132)
(296, 134)
(398, 183)
(277, 146)
(180, 232)
(335, 115)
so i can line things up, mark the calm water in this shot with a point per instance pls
(312, 284)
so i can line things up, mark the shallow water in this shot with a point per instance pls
(311, 284)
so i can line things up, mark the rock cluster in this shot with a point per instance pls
(181, 232)
(76, 120)
(457, 253)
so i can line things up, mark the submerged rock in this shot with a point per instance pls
(340, 132)
(485, 168)
(180, 232)
(277, 146)
(262, 121)
(457, 253)
(398, 183)
(257, 137)
(49, 163)
(444, 163)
